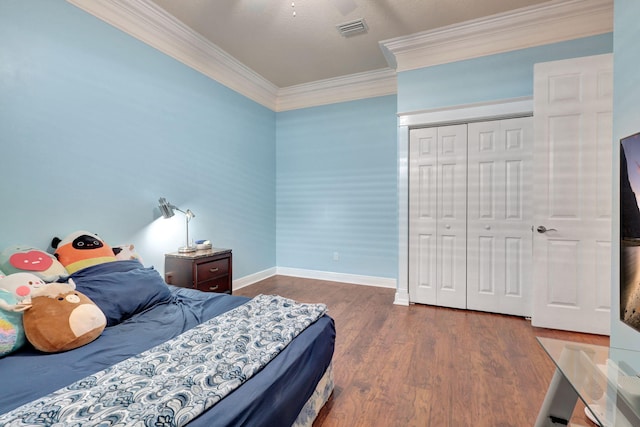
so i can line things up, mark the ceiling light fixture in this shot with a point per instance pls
(293, 5)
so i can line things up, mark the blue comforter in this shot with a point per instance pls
(147, 312)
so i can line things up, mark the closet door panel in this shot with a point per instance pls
(514, 198)
(518, 258)
(452, 216)
(486, 265)
(499, 210)
(423, 180)
(427, 257)
(486, 190)
(437, 216)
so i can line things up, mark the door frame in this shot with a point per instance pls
(496, 110)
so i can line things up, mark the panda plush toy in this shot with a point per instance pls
(81, 249)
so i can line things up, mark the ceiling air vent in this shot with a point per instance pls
(352, 28)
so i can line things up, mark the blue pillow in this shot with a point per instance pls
(122, 288)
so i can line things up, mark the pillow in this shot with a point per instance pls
(122, 289)
(81, 249)
(11, 330)
(61, 318)
(27, 259)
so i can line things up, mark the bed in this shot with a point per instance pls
(173, 340)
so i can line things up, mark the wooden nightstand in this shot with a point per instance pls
(208, 271)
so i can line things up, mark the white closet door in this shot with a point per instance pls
(572, 183)
(452, 216)
(499, 247)
(423, 179)
(438, 216)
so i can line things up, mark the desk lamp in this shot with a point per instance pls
(167, 210)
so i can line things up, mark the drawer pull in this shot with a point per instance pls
(213, 270)
(213, 288)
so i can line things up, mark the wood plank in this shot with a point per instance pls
(426, 366)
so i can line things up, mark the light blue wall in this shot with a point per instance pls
(336, 188)
(489, 78)
(95, 126)
(626, 121)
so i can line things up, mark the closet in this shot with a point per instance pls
(470, 237)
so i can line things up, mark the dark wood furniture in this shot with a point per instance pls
(207, 270)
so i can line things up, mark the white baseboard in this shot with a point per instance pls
(382, 282)
(254, 278)
(356, 279)
(401, 298)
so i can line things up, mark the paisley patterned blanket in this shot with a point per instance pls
(174, 382)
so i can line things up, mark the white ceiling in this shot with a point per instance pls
(287, 51)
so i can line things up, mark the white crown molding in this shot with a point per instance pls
(151, 24)
(550, 22)
(346, 88)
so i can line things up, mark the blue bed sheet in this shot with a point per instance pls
(273, 397)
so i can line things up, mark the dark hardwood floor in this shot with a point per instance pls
(423, 365)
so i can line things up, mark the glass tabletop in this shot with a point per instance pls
(609, 388)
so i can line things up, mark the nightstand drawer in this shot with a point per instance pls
(221, 284)
(211, 270)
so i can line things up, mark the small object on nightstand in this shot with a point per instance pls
(203, 245)
(206, 270)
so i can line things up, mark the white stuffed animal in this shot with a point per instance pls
(21, 286)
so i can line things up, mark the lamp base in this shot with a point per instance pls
(186, 249)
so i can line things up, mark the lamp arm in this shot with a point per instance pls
(187, 222)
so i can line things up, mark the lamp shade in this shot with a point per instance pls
(166, 209)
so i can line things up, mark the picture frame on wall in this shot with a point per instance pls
(630, 231)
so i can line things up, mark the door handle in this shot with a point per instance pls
(542, 229)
